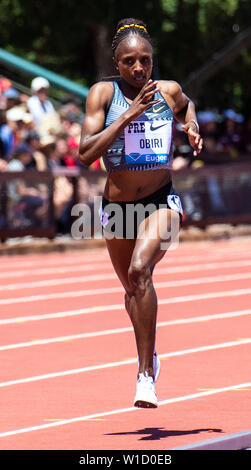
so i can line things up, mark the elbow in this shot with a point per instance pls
(83, 156)
(87, 156)
(83, 160)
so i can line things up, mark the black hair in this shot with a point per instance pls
(129, 26)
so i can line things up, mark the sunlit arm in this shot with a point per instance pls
(187, 113)
(184, 112)
(95, 139)
(93, 146)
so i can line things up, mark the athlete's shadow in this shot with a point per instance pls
(155, 434)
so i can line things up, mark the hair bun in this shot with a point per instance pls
(128, 26)
(129, 21)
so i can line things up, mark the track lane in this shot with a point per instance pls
(171, 275)
(14, 279)
(111, 316)
(79, 353)
(82, 296)
(218, 362)
(193, 377)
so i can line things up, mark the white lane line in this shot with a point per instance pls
(82, 258)
(68, 259)
(69, 313)
(112, 307)
(107, 365)
(58, 281)
(95, 267)
(54, 270)
(115, 290)
(122, 410)
(94, 334)
(112, 275)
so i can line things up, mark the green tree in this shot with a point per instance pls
(74, 38)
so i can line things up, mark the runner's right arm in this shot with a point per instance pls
(95, 139)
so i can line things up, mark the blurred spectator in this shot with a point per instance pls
(209, 130)
(22, 156)
(3, 163)
(230, 139)
(39, 158)
(39, 105)
(182, 154)
(48, 148)
(6, 135)
(179, 163)
(50, 125)
(17, 124)
(26, 202)
(12, 127)
(62, 197)
(246, 136)
(72, 112)
(5, 84)
(12, 97)
(71, 159)
(62, 148)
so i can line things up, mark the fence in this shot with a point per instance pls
(215, 194)
(40, 203)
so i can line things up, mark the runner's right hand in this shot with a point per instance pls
(143, 100)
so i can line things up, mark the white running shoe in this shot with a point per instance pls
(145, 392)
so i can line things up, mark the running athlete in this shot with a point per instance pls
(128, 122)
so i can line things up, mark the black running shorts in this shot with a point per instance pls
(122, 219)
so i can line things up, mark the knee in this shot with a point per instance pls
(139, 276)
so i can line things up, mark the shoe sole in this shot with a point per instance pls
(144, 404)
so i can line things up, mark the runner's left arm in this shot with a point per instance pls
(184, 112)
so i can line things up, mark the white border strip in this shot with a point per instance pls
(237, 441)
(122, 410)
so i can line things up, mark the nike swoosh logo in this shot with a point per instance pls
(153, 128)
(158, 109)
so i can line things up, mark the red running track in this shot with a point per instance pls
(68, 355)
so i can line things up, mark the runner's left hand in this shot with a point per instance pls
(194, 137)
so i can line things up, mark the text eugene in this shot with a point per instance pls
(127, 459)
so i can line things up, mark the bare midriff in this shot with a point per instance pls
(134, 185)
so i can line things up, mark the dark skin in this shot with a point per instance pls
(134, 260)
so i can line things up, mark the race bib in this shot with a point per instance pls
(148, 141)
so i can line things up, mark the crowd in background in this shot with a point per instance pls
(33, 131)
(226, 139)
(37, 134)
(32, 125)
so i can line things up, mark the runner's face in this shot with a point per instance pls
(133, 59)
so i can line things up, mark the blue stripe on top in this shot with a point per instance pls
(114, 157)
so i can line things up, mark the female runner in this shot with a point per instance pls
(129, 121)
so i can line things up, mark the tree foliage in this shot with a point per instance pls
(73, 39)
